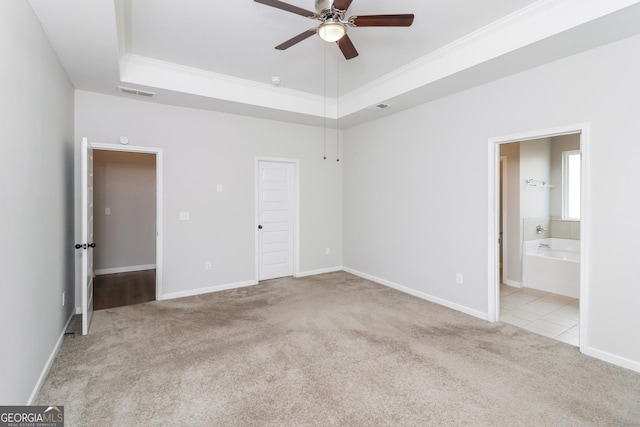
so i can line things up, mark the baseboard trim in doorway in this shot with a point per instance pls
(421, 295)
(200, 291)
(129, 269)
(319, 271)
(513, 283)
(52, 356)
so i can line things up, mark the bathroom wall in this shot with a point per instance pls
(529, 206)
(535, 201)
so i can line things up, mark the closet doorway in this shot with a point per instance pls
(126, 211)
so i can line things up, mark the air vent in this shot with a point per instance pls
(379, 107)
(138, 92)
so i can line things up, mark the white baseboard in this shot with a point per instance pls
(422, 295)
(200, 291)
(319, 271)
(103, 271)
(47, 366)
(613, 359)
(513, 283)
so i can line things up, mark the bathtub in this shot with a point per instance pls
(554, 269)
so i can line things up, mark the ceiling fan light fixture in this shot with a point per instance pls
(331, 30)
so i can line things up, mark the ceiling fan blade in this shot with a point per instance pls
(346, 46)
(404, 20)
(342, 4)
(296, 39)
(288, 7)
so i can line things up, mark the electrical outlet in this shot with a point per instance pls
(208, 265)
(327, 251)
(63, 299)
(459, 278)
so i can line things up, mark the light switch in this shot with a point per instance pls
(184, 216)
(219, 188)
(107, 211)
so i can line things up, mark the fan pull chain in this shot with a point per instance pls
(325, 103)
(337, 106)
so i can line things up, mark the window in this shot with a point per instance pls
(571, 185)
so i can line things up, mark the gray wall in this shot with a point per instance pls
(202, 149)
(36, 189)
(416, 191)
(125, 183)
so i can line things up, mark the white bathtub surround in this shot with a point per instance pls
(552, 265)
(565, 229)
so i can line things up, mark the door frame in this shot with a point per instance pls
(296, 212)
(502, 162)
(87, 277)
(159, 202)
(584, 129)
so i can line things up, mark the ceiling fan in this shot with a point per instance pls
(333, 27)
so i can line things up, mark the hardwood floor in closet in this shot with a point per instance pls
(120, 289)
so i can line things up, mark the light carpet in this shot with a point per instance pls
(332, 349)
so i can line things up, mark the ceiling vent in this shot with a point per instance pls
(138, 92)
(379, 107)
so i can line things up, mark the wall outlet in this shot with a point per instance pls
(327, 251)
(63, 299)
(208, 265)
(459, 278)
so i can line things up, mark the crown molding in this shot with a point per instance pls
(536, 22)
(149, 72)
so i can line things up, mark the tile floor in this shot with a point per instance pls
(551, 315)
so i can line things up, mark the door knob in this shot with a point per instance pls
(259, 227)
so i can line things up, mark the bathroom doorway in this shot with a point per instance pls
(530, 224)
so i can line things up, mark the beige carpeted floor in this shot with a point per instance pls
(332, 349)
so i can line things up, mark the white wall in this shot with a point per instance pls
(202, 149)
(415, 186)
(124, 183)
(36, 212)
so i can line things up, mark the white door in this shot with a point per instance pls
(275, 219)
(87, 244)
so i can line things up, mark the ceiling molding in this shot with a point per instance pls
(149, 72)
(525, 27)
